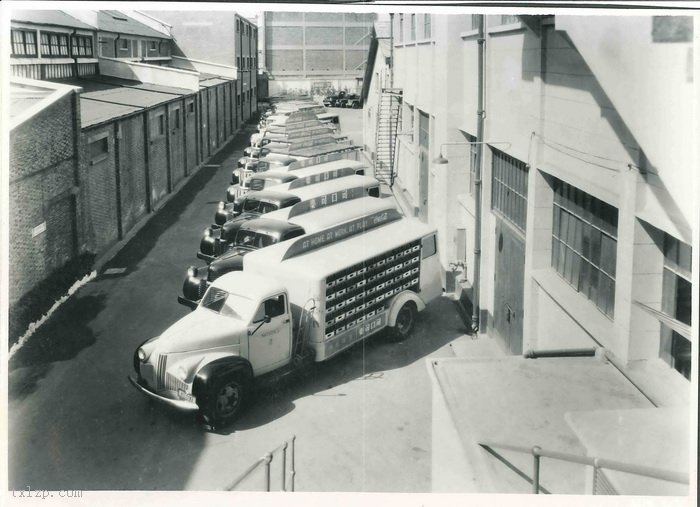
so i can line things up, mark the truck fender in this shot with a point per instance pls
(398, 302)
(216, 368)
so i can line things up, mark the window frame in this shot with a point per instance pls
(81, 46)
(103, 139)
(24, 43)
(427, 26)
(579, 257)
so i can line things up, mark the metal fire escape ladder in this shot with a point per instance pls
(388, 122)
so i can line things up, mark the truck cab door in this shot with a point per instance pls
(270, 335)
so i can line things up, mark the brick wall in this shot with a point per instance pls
(99, 184)
(132, 171)
(158, 155)
(42, 184)
(191, 134)
(177, 141)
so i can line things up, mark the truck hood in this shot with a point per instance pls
(201, 329)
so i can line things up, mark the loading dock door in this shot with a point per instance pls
(509, 280)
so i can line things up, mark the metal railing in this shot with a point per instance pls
(266, 461)
(600, 483)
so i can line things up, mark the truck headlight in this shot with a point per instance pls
(207, 232)
(191, 272)
(142, 354)
(222, 205)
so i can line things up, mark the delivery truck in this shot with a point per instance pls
(216, 239)
(272, 228)
(294, 303)
(266, 179)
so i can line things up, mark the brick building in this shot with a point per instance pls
(45, 226)
(315, 52)
(115, 137)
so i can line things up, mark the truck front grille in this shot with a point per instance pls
(160, 373)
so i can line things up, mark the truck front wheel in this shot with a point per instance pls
(224, 399)
(405, 322)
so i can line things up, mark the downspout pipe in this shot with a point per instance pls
(480, 113)
(391, 51)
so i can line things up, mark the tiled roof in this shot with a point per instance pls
(118, 22)
(45, 17)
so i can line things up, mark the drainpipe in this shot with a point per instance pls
(391, 51)
(75, 57)
(477, 180)
(116, 48)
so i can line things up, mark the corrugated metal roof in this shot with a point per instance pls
(44, 17)
(118, 22)
(105, 99)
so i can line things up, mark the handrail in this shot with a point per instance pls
(597, 463)
(267, 460)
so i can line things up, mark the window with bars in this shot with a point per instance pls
(54, 44)
(584, 244)
(24, 43)
(427, 19)
(81, 45)
(509, 188)
(676, 303)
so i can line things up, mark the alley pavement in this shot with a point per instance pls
(362, 420)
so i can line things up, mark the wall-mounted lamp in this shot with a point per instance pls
(442, 160)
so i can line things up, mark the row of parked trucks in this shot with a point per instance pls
(305, 262)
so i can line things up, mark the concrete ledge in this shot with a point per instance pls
(517, 401)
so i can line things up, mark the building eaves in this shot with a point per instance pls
(50, 18)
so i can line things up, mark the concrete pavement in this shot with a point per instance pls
(362, 419)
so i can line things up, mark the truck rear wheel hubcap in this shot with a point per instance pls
(228, 399)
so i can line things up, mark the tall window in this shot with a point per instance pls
(81, 45)
(584, 244)
(399, 36)
(509, 188)
(426, 26)
(23, 43)
(413, 27)
(676, 303)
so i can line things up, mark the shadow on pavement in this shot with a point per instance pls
(32, 362)
(138, 247)
(366, 360)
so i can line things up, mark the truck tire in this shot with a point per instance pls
(405, 322)
(225, 397)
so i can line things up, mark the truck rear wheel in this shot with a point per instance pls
(405, 322)
(224, 399)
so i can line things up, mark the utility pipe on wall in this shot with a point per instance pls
(477, 179)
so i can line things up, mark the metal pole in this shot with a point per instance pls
(268, 459)
(477, 177)
(284, 467)
(536, 471)
(292, 472)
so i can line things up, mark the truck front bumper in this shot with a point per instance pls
(188, 406)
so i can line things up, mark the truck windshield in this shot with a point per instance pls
(253, 240)
(227, 304)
